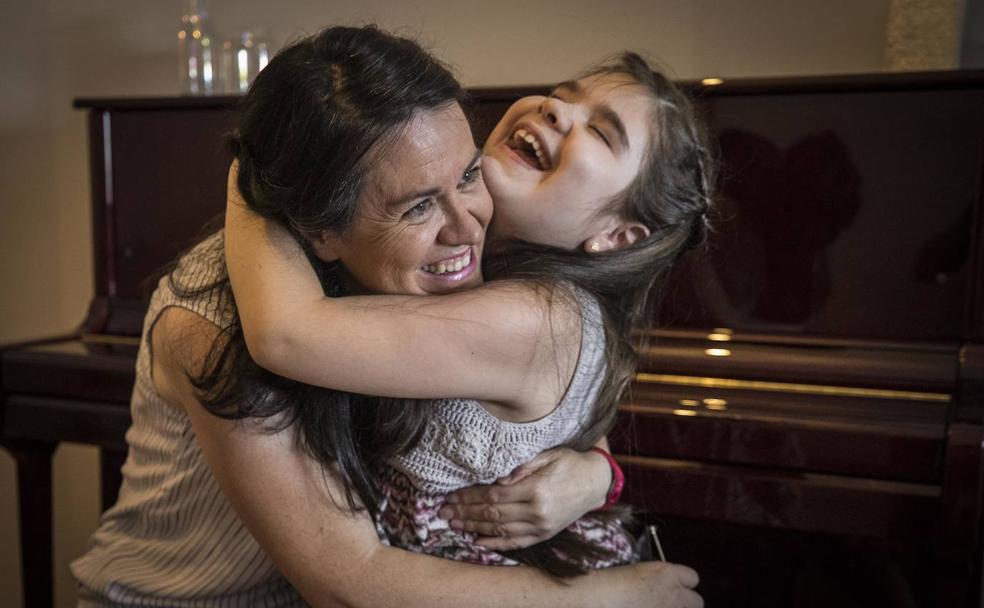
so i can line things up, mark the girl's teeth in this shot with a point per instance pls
(528, 137)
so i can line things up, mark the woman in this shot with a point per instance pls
(194, 483)
(604, 185)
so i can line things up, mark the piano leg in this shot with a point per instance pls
(111, 465)
(34, 500)
(962, 505)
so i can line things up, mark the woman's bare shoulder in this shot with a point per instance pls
(180, 342)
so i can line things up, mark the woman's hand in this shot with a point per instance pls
(534, 502)
(652, 585)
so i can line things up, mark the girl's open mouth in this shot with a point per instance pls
(529, 149)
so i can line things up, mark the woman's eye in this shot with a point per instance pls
(419, 210)
(471, 176)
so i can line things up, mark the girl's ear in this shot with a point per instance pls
(622, 235)
(323, 245)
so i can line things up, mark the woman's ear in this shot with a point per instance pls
(621, 236)
(324, 246)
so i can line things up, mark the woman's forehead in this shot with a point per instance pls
(425, 156)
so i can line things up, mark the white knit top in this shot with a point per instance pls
(464, 444)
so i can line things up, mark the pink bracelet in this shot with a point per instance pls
(618, 479)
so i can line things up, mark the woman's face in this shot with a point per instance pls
(554, 163)
(420, 224)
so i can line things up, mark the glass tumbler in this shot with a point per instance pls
(196, 52)
(242, 59)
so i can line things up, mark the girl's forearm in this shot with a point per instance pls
(270, 276)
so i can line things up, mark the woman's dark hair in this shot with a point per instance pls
(671, 196)
(308, 129)
(311, 117)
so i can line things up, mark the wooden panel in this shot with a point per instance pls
(796, 501)
(53, 420)
(169, 179)
(959, 518)
(72, 369)
(782, 432)
(891, 366)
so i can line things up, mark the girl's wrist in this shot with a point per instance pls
(601, 474)
(613, 491)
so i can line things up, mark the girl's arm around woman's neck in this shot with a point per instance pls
(513, 346)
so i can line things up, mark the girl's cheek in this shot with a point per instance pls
(583, 169)
(496, 181)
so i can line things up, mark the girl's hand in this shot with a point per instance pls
(534, 502)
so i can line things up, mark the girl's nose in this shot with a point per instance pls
(556, 113)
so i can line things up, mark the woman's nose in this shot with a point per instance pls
(556, 113)
(463, 226)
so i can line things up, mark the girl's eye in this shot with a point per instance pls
(419, 210)
(601, 134)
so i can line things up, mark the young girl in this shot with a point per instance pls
(598, 189)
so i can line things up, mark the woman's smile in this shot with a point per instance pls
(453, 269)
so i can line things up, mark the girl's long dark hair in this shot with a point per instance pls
(671, 196)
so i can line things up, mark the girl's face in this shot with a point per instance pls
(553, 164)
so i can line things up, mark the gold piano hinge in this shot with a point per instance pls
(110, 339)
(791, 387)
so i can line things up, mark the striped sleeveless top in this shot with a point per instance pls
(173, 539)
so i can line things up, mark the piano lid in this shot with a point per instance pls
(848, 205)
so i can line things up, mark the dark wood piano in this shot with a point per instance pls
(807, 427)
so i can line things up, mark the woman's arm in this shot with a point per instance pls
(333, 557)
(499, 343)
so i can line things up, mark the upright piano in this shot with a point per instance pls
(807, 425)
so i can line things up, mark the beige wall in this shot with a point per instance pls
(52, 51)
